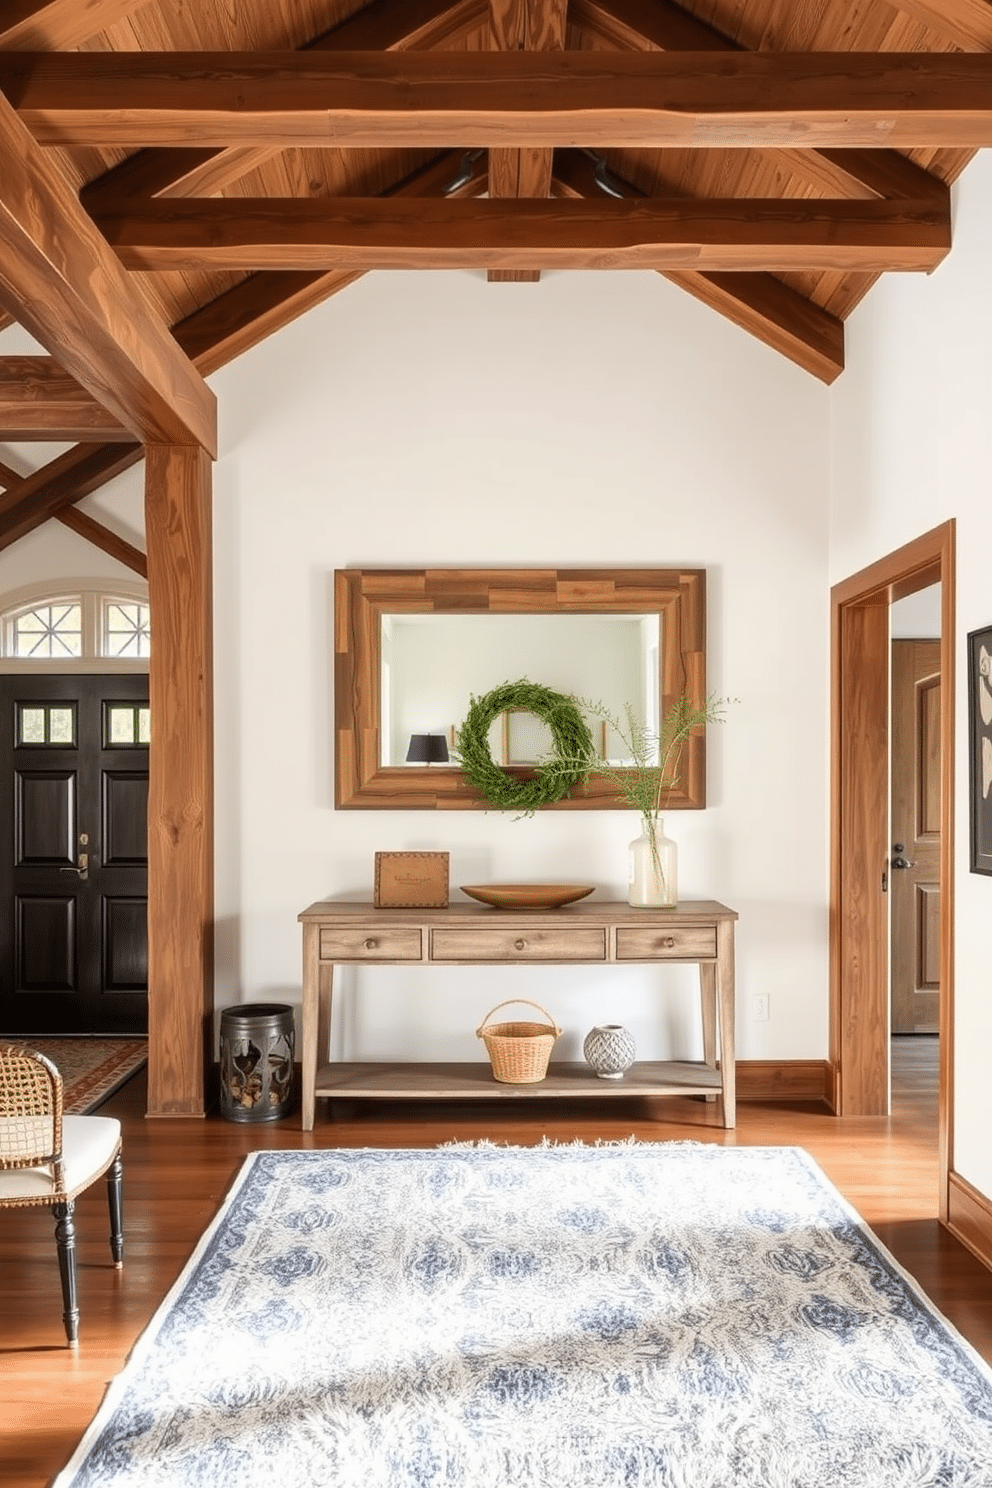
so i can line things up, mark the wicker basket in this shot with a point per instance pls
(519, 1052)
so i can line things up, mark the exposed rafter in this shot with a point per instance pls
(757, 302)
(60, 484)
(516, 99)
(968, 23)
(336, 233)
(103, 538)
(40, 401)
(65, 286)
(59, 23)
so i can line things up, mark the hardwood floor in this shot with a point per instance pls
(176, 1173)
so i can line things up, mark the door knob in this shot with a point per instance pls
(901, 862)
(82, 868)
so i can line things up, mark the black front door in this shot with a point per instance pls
(73, 854)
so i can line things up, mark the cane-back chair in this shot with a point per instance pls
(48, 1158)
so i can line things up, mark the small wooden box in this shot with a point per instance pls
(411, 880)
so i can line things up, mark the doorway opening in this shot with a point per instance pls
(861, 844)
(914, 851)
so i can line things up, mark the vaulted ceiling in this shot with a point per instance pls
(214, 170)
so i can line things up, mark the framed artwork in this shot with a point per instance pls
(980, 730)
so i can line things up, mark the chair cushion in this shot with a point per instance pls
(89, 1144)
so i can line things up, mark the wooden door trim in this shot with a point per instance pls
(859, 827)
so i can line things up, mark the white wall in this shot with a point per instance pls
(917, 617)
(434, 419)
(912, 447)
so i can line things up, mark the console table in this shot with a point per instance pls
(337, 933)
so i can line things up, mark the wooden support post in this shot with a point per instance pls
(178, 525)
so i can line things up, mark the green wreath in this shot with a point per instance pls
(555, 778)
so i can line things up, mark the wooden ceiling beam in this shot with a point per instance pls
(645, 25)
(535, 26)
(56, 25)
(64, 285)
(386, 25)
(777, 234)
(968, 23)
(103, 538)
(59, 484)
(513, 99)
(38, 400)
(757, 302)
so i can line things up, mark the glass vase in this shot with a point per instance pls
(654, 879)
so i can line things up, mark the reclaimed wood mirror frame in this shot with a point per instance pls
(363, 596)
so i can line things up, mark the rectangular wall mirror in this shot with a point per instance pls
(413, 646)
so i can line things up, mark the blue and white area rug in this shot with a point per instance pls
(645, 1316)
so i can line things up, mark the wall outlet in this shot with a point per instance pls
(760, 1010)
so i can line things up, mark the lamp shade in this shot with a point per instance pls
(427, 749)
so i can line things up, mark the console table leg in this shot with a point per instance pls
(725, 984)
(707, 1007)
(308, 1042)
(324, 998)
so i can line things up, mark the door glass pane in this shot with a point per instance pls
(144, 726)
(53, 724)
(32, 726)
(121, 721)
(62, 725)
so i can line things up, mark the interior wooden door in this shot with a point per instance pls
(914, 861)
(73, 854)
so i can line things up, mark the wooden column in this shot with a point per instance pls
(178, 522)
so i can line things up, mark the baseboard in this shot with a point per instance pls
(783, 1079)
(969, 1217)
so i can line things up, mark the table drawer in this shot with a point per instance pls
(370, 943)
(517, 943)
(680, 943)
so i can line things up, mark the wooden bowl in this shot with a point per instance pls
(527, 896)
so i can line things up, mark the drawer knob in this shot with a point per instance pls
(668, 941)
(519, 945)
(371, 943)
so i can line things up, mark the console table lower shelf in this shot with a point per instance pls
(338, 933)
(474, 1081)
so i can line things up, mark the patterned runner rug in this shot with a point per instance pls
(91, 1068)
(647, 1315)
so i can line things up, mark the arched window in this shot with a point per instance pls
(125, 630)
(74, 624)
(46, 631)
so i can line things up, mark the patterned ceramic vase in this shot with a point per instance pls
(610, 1050)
